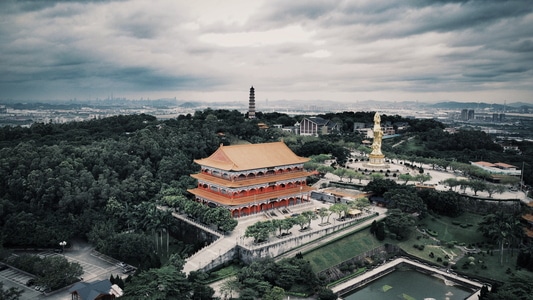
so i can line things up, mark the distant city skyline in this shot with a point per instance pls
(214, 51)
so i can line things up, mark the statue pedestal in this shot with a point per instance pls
(377, 161)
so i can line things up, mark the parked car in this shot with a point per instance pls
(128, 269)
(40, 288)
(30, 282)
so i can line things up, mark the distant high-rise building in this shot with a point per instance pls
(464, 114)
(496, 117)
(251, 105)
(470, 114)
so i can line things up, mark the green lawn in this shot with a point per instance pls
(430, 246)
(485, 264)
(464, 232)
(342, 249)
(489, 266)
(361, 241)
(222, 273)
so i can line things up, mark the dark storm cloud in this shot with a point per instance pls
(415, 17)
(37, 5)
(472, 14)
(522, 46)
(143, 78)
(298, 47)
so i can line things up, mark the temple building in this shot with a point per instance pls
(249, 179)
(315, 126)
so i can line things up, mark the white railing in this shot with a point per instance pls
(194, 222)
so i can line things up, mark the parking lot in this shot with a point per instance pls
(14, 278)
(95, 267)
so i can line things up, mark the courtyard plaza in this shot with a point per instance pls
(236, 237)
(437, 177)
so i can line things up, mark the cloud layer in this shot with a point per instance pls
(214, 50)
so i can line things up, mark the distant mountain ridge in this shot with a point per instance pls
(479, 105)
(268, 104)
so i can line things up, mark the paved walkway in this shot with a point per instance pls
(436, 178)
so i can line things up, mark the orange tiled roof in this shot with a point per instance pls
(484, 163)
(251, 156)
(249, 199)
(528, 232)
(504, 165)
(248, 182)
(528, 217)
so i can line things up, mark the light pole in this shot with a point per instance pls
(63, 244)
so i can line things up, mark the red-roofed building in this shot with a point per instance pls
(498, 168)
(528, 218)
(252, 178)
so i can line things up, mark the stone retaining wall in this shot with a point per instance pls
(278, 246)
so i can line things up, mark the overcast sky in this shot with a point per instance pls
(295, 50)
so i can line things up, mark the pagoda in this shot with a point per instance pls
(252, 178)
(251, 104)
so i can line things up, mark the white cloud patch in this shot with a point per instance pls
(289, 34)
(318, 54)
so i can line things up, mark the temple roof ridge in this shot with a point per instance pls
(251, 156)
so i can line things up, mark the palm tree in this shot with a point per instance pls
(155, 221)
(502, 227)
(166, 222)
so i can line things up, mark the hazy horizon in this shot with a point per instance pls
(214, 51)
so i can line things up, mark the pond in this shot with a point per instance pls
(409, 284)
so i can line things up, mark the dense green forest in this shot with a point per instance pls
(57, 179)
